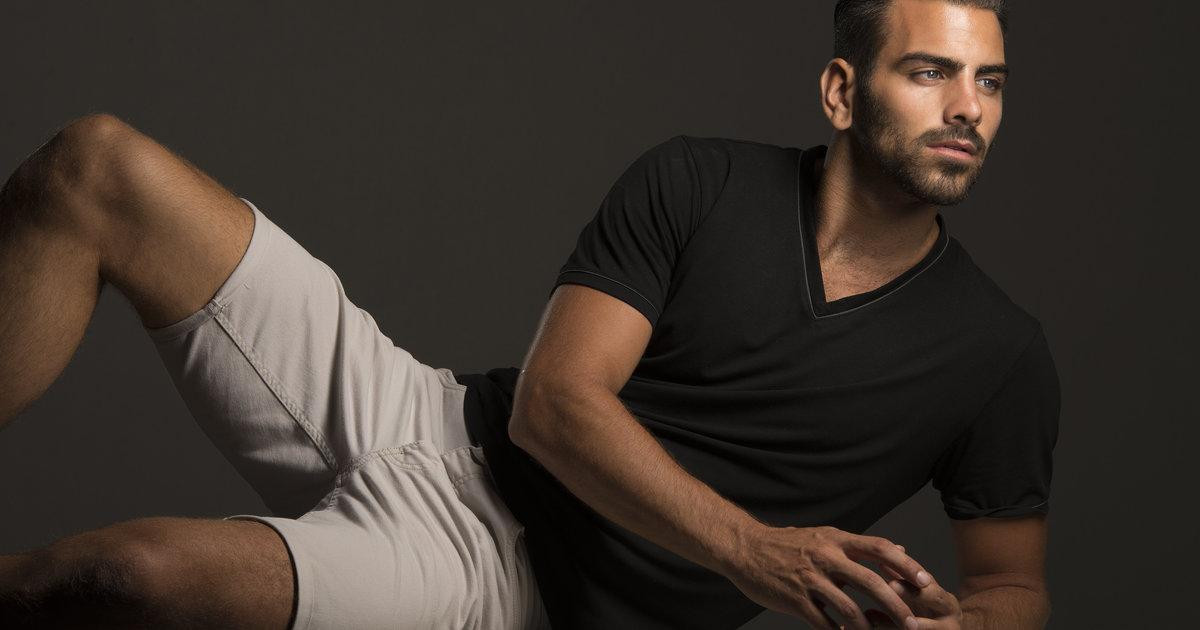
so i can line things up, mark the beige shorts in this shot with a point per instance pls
(358, 449)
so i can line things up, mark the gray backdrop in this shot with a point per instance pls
(447, 154)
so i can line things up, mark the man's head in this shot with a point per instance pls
(913, 73)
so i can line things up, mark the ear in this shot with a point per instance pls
(837, 93)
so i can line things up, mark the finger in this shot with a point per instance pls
(906, 591)
(870, 582)
(932, 599)
(885, 552)
(814, 613)
(910, 594)
(892, 573)
(836, 599)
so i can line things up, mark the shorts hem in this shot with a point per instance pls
(300, 570)
(260, 240)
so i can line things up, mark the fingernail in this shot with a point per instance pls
(910, 623)
(923, 578)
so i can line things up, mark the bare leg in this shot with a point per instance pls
(49, 280)
(160, 572)
(102, 203)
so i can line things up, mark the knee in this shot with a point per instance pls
(80, 164)
(92, 578)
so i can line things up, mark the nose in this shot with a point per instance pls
(963, 106)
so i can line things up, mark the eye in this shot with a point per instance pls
(923, 73)
(996, 85)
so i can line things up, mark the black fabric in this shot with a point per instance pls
(1001, 465)
(802, 412)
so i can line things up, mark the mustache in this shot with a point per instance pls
(958, 133)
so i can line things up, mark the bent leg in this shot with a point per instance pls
(101, 202)
(161, 572)
(287, 376)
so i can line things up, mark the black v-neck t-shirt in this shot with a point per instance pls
(802, 412)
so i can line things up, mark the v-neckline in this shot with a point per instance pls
(810, 263)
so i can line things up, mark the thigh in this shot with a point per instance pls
(292, 381)
(411, 538)
(167, 233)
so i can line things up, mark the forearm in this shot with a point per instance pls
(604, 456)
(1005, 608)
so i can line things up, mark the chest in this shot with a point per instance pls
(739, 317)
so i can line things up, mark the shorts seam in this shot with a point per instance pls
(365, 459)
(510, 560)
(465, 478)
(470, 450)
(331, 500)
(370, 457)
(273, 384)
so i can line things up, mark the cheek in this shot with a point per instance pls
(921, 111)
(906, 111)
(911, 115)
(992, 114)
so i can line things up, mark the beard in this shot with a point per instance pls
(929, 178)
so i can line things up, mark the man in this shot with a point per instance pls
(753, 354)
(795, 342)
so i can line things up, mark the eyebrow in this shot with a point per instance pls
(953, 64)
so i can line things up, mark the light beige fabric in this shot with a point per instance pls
(359, 450)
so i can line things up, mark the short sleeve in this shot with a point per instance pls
(1002, 464)
(630, 246)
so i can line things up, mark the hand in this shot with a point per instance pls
(935, 607)
(801, 570)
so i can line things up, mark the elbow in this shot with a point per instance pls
(542, 409)
(531, 413)
(518, 431)
(1041, 604)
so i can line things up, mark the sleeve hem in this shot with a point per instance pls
(615, 288)
(958, 513)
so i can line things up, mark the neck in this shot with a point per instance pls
(863, 220)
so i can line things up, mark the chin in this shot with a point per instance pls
(933, 191)
(939, 196)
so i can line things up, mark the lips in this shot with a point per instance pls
(966, 147)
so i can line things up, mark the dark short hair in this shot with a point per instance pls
(858, 28)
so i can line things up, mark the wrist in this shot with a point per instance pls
(734, 555)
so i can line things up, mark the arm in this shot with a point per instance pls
(1001, 561)
(566, 414)
(995, 486)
